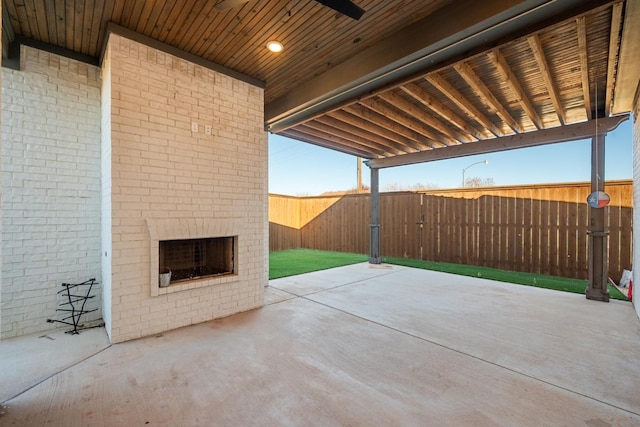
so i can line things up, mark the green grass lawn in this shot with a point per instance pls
(529, 279)
(298, 261)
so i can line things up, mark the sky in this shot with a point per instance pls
(302, 169)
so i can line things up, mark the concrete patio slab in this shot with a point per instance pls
(273, 295)
(28, 360)
(306, 284)
(557, 337)
(396, 347)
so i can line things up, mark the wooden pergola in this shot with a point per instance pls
(559, 79)
(409, 82)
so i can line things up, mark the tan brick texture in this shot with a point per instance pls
(163, 171)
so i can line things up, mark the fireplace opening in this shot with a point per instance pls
(191, 259)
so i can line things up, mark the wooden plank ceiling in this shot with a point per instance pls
(557, 75)
(561, 75)
(315, 37)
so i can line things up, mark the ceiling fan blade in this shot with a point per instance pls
(346, 7)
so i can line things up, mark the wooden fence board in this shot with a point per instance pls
(572, 237)
(541, 229)
(497, 245)
(506, 227)
(485, 230)
(582, 263)
(518, 237)
(545, 237)
(615, 230)
(564, 232)
(527, 241)
(437, 229)
(468, 231)
(626, 240)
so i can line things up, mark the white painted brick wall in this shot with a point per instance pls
(636, 204)
(50, 187)
(1, 305)
(105, 165)
(160, 169)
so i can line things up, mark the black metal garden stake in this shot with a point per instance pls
(75, 298)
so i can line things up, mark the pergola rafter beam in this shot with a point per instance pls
(329, 137)
(383, 66)
(374, 129)
(423, 116)
(485, 94)
(410, 50)
(614, 46)
(336, 133)
(565, 133)
(421, 142)
(322, 141)
(581, 28)
(435, 105)
(456, 97)
(538, 52)
(510, 78)
(386, 110)
(362, 134)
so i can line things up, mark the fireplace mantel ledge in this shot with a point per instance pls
(193, 228)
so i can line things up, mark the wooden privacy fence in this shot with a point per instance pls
(540, 229)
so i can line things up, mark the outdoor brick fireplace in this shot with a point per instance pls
(200, 252)
(184, 179)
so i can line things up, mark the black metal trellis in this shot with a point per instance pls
(73, 319)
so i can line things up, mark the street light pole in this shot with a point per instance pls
(486, 162)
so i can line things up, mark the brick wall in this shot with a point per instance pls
(1, 47)
(636, 202)
(50, 186)
(105, 219)
(168, 178)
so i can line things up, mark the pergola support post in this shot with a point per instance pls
(598, 236)
(374, 226)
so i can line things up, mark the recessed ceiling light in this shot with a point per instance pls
(274, 46)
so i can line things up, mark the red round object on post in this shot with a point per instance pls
(598, 199)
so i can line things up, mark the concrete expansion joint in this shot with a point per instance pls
(335, 287)
(287, 292)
